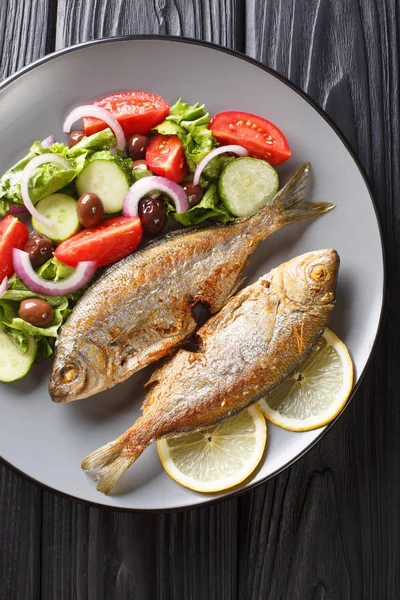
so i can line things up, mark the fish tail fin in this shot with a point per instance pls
(290, 200)
(113, 461)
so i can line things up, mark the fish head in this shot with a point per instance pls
(79, 370)
(309, 279)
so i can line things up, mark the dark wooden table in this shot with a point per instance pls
(328, 527)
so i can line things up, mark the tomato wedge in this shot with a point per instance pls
(259, 136)
(165, 156)
(105, 243)
(13, 234)
(136, 112)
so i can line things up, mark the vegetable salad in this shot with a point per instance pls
(72, 208)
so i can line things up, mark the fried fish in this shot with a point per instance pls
(142, 307)
(260, 337)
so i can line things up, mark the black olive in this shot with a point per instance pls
(137, 145)
(40, 249)
(75, 137)
(37, 312)
(153, 215)
(194, 193)
(90, 210)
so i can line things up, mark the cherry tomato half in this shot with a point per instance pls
(13, 234)
(165, 156)
(259, 136)
(105, 243)
(136, 112)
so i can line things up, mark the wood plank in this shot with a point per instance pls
(329, 527)
(25, 35)
(92, 554)
(20, 523)
(80, 20)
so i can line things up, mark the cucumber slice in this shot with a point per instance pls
(106, 179)
(61, 210)
(246, 184)
(13, 364)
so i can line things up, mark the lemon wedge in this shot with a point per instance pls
(314, 395)
(217, 458)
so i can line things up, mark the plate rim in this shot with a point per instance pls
(336, 129)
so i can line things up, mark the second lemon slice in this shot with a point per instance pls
(217, 458)
(315, 394)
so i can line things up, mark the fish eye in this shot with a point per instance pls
(69, 373)
(318, 273)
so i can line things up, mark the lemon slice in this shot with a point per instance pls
(317, 392)
(217, 458)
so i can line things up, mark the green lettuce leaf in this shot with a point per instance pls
(18, 329)
(190, 124)
(45, 180)
(140, 173)
(213, 169)
(210, 207)
(102, 140)
(51, 177)
(9, 316)
(45, 348)
(54, 270)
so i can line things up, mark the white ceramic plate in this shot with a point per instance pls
(46, 441)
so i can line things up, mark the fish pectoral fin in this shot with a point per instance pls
(153, 379)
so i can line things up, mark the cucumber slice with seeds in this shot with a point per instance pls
(61, 210)
(106, 179)
(13, 364)
(246, 184)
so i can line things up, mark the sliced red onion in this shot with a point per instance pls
(90, 110)
(143, 186)
(3, 286)
(26, 175)
(239, 150)
(49, 141)
(17, 209)
(23, 268)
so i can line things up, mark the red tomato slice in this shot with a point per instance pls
(13, 234)
(105, 243)
(136, 112)
(165, 156)
(259, 136)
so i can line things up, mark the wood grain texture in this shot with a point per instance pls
(26, 33)
(215, 21)
(92, 554)
(20, 538)
(329, 527)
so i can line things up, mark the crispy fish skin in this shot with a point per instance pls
(260, 337)
(141, 308)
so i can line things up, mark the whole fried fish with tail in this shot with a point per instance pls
(141, 308)
(260, 337)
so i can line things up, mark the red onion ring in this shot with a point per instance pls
(143, 186)
(3, 286)
(49, 141)
(26, 175)
(239, 150)
(89, 110)
(23, 268)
